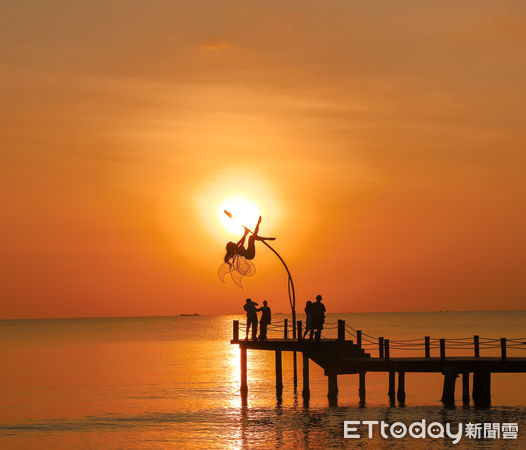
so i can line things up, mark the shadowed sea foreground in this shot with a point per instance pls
(166, 381)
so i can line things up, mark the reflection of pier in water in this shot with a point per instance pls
(341, 356)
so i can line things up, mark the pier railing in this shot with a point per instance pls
(384, 347)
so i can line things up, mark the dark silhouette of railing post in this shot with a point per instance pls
(341, 330)
(381, 347)
(300, 331)
(442, 349)
(286, 329)
(428, 347)
(236, 331)
(359, 338)
(503, 349)
(386, 348)
(476, 346)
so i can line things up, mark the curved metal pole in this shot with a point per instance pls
(291, 286)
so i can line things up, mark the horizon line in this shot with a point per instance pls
(238, 314)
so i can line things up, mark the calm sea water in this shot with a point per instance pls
(169, 382)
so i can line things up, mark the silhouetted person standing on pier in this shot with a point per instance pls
(264, 321)
(308, 320)
(252, 318)
(318, 316)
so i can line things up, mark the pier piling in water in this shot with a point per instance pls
(392, 389)
(401, 388)
(306, 387)
(295, 371)
(361, 389)
(342, 356)
(465, 388)
(279, 372)
(448, 390)
(482, 388)
(244, 384)
(333, 386)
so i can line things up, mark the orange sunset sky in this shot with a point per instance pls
(383, 142)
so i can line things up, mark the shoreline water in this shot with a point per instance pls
(132, 382)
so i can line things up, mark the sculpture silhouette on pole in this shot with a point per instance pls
(237, 263)
(237, 259)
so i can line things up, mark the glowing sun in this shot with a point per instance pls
(243, 212)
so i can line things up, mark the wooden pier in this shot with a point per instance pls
(342, 356)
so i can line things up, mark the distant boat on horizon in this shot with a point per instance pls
(189, 315)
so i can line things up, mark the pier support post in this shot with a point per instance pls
(243, 367)
(482, 388)
(401, 388)
(465, 388)
(306, 389)
(448, 390)
(333, 387)
(361, 389)
(279, 373)
(391, 391)
(299, 329)
(295, 369)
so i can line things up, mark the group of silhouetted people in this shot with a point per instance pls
(252, 319)
(315, 318)
(314, 313)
